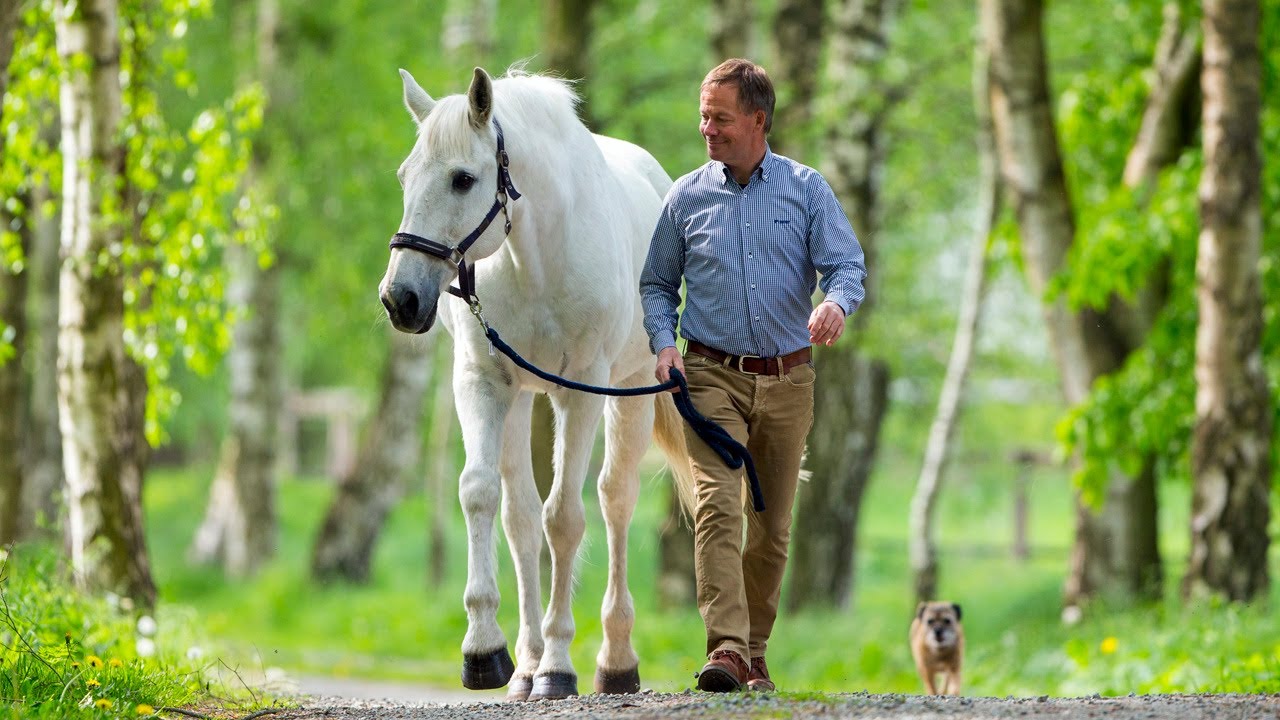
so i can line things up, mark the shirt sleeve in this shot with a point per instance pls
(834, 249)
(660, 279)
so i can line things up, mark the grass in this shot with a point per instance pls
(399, 627)
(66, 655)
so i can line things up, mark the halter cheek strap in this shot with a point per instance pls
(455, 254)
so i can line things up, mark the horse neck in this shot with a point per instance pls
(550, 184)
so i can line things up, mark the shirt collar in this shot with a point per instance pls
(763, 171)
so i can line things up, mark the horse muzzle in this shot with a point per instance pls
(408, 310)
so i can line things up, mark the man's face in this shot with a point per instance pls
(732, 135)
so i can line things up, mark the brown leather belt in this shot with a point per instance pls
(751, 363)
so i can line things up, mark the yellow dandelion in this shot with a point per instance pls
(75, 665)
(102, 704)
(94, 661)
(92, 682)
(144, 709)
(115, 662)
(1109, 645)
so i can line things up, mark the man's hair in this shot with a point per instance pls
(755, 89)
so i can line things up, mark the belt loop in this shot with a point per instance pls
(782, 368)
(725, 362)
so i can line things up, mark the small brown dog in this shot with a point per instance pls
(937, 644)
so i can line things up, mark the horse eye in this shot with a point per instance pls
(462, 181)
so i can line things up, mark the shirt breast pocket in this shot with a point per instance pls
(788, 242)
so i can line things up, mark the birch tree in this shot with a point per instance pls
(389, 453)
(94, 385)
(847, 418)
(240, 524)
(31, 446)
(1232, 445)
(922, 547)
(798, 36)
(1115, 547)
(468, 29)
(732, 30)
(12, 325)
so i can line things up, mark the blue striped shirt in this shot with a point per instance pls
(750, 258)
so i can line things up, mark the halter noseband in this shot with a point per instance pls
(455, 254)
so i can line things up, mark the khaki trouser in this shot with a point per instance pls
(738, 588)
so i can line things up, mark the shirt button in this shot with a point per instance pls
(757, 317)
(750, 255)
(748, 224)
(753, 286)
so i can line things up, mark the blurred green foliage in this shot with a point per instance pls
(1128, 240)
(181, 184)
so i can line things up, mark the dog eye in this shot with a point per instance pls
(462, 181)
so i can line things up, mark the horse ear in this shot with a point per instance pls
(415, 98)
(480, 96)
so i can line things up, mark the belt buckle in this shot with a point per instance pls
(741, 358)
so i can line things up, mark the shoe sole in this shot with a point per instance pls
(718, 681)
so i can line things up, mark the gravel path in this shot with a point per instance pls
(699, 706)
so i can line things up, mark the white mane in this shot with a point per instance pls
(525, 104)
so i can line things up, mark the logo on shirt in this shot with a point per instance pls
(781, 221)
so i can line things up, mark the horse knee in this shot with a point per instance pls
(564, 521)
(479, 491)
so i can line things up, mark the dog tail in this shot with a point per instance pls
(668, 430)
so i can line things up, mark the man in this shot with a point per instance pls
(748, 232)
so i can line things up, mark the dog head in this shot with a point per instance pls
(940, 622)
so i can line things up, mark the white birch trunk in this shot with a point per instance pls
(923, 549)
(1231, 449)
(389, 452)
(1114, 550)
(240, 526)
(96, 386)
(847, 419)
(732, 30)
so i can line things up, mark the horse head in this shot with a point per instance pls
(449, 200)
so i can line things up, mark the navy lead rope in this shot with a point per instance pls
(731, 451)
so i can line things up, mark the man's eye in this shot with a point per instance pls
(462, 181)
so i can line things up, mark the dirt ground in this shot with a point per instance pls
(701, 706)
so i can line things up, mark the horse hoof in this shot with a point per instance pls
(486, 671)
(617, 682)
(554, 686)
(520, 687)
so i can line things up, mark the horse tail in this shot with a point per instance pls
(668, 430)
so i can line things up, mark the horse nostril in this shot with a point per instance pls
(386, 302)
(410, 304)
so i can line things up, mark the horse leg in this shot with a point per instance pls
(482, 409)
(522, 521)
(628, 426)
(564, 520)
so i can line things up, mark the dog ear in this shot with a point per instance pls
(920, 609)
(956, 607)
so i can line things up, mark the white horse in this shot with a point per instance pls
(562, 289)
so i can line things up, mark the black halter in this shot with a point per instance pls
(454, 254)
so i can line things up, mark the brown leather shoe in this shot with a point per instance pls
(726, 671)
(758, 678)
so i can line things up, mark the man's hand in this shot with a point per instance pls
(826, 324)
(669, 357)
